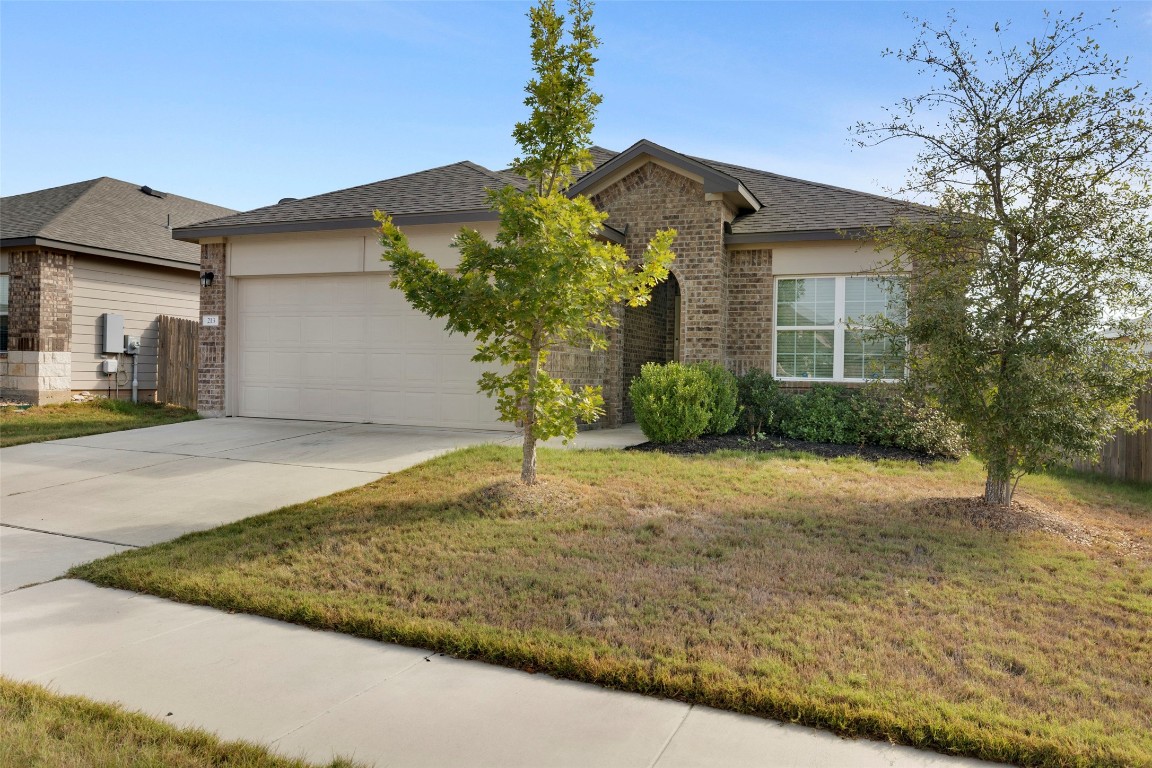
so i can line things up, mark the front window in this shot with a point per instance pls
(823, 328)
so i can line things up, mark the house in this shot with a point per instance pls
(299, 320)
(71, 254)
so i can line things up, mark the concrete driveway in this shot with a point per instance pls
(71, 501)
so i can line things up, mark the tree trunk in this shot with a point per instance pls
(998, 488)
(528, 465)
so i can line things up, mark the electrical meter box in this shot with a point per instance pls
(113, 334)
(132, 345)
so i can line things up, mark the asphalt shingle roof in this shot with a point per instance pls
(789, 205)
(796, 205)
(108, 214)
(461, 186)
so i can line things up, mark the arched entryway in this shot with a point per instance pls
(651, 334)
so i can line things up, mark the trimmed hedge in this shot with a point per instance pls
(725, 406)
(672, 402)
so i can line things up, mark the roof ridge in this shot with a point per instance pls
(483, 171)
(89, 186)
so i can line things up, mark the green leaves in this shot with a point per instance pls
(549, 279)
(1042, 243)
(554, 140)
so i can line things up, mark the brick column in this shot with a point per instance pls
(39, 326)
(210, 376)
(750, 310)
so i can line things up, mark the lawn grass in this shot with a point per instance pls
(831, 593)
(56, 422)
(44, 729)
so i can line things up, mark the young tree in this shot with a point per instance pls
(1037, 159)
(549, 279)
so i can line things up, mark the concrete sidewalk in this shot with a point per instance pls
(320, 694)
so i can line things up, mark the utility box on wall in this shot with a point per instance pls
(113, 334)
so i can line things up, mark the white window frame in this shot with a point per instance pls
(838, 327)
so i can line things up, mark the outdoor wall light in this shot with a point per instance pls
(206, 279)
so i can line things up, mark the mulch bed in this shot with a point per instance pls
(1023, 516)
(713, 443)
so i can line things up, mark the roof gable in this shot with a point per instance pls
(714, 179)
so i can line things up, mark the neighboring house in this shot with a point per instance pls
(71, 254)
(767, 271)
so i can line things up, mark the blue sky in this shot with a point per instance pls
(240, 104)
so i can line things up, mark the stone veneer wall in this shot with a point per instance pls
(39, 366)
(653, 198)
(213, 301)
(750, 310)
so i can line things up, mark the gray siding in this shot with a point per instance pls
(140, 293)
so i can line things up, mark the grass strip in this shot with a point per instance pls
(41, 728)
(57, 422)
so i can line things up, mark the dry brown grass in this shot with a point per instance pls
(843, 594)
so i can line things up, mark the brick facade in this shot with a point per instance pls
(649, 336)
(213, 301)
(39, 365)
(750, 310)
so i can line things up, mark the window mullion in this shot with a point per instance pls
(838, 333)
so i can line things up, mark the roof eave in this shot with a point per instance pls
(791, 236)
(197, 233)
(88, 250)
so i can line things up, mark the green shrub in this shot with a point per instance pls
(892, 418)
(762, 404)
(672, 402)
(823, 414)
(725, 404)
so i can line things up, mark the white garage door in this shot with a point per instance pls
(349, 348)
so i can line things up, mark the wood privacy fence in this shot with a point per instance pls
(1127, 457)
(177, 359)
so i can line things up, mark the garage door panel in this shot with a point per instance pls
(386, 407)
(349, 368)
(349, 348)
(263, 400)
(384, 370)
(422, 370)
(283, 331)
(318, 331)
(255, 330)
(333, 403)
(284, 365)
(255, 364)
